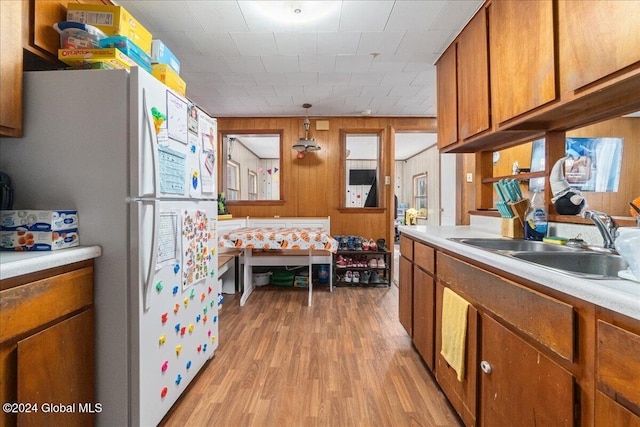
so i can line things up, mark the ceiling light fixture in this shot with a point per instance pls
(305, 144)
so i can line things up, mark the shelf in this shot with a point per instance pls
(517, 177)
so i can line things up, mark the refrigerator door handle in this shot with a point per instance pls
(152, 142)
(153, 258)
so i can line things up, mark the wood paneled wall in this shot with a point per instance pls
(312, 186)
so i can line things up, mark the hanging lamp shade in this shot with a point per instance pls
(306, 144)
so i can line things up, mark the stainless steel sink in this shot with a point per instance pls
(514, 245)
(585, 264)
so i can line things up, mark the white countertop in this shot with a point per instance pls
(14, 264)
(622, 296)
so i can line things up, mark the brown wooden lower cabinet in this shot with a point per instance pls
(617, 375)
(47, 347)
(424, 315)
(461, 394)
(518, 384)
(405, 294)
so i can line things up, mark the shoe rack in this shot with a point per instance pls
(362, 268)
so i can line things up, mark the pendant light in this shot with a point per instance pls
(306, 144)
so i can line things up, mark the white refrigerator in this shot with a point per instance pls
(138, 162)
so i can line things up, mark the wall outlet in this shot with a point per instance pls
(387, 180)
(469, 177)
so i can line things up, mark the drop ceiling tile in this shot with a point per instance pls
(427, 42)
(455, 14)
(210, 43)
(203, 64)
(179, 41)
(421, 62)
(365, 15)
(318, 91)
(317, 63)
(413, 15)
(334, 78)
(426, 77)
(346, 90)
(231, 91)
(175, 16)
(237, 79)
(301, 79)
(353, 63)
(218, 16)
(254, 91)
(380, 42)
(375, 91)
(338, 43)
(390, 63)
(255, 43)
(296, 43)
(270, 79)
(289, 90)
(403, 91)
(280, 63)
(245, 64)
(398, 78)
(279, 100)
(366, 79)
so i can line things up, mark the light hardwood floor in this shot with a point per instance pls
(346, 361)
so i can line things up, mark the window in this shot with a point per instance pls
(420, 194)
(361, 168)
(233, 180)
(253, 185)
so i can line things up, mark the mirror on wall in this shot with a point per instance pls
(252, 168)
(362, 154)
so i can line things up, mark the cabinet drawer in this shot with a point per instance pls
(26, 307)
(545, 319)
(406, 247)
(618, 363)
(424, 257)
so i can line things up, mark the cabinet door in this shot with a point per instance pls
(473, 77)
(447, 98)
(520, 383)
(522, 57)
(424, 315)
(11, 68)
(405, 294)
(596, 39)
(56, 366)
(461, 394)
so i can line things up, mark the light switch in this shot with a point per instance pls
(469, 177)
(387, 180)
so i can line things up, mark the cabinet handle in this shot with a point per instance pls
(485, 366)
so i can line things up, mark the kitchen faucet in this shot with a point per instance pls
(607, 228)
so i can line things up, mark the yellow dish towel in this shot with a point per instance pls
(454, 330)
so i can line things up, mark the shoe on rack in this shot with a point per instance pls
(348, 277)
(382, 245)
(381, 263)
(375, 278)
(372, 245)
(358, 243)
(364, 277)
(351, 243)
(373, 263)
(343, 246)
(365, 244)
(341, 262)
(356, 277)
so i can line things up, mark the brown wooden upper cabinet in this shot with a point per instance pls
(463, 85)
(473, 78)
(447, 98)
(522, 57)
(596, 40)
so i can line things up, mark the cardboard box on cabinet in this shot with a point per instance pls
(166, 75)
(113, 21)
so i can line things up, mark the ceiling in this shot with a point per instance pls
(346, 58)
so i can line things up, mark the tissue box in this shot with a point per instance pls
(38, 220)
(160, 54)
(129, 48)
(112, 20)
(85, 58)
(166, 75)
(38, 240)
